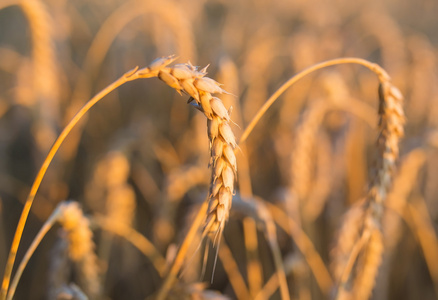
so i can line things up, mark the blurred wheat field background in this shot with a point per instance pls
(327, 203)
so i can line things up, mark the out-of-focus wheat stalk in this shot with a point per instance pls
(44, 67)
(301, 157)
(398, 198)
(256, 209)
(232, 270)
(305, 246)
(422, 225)
(109, 192)
(136, 239)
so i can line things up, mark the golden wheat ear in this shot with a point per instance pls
(190, 80)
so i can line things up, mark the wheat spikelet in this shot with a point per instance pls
(81, 245)
(192, 81)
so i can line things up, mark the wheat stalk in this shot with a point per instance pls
(135, 238)
(257, 209)
(404, 184)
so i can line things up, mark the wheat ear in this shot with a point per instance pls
(367, 252)
(188, 79)
(80, 244)
(192, 81)
(391, 130)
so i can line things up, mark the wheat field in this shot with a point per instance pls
(218, 149)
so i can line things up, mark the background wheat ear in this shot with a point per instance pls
(362, 257)
(81, 248)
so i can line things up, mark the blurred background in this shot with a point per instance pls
(141, 154)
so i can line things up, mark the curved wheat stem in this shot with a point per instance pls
(391, 130)
(381, 73)
(129, 76)
(305, 245)
(37, 240)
